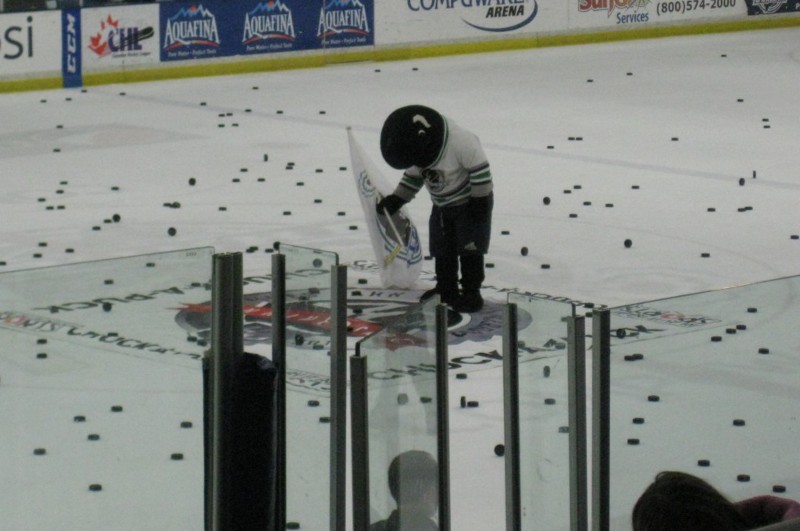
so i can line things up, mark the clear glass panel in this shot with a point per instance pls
(101, 393)
(401, 391)
(308, 375)
(544, 412)
(706, 384)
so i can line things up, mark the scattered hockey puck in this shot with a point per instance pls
(703, 462)
(653, 398)
(738, 422)
(425, 399)
(79, 418)
(546, 371)
(778, 489)
(752, 310)
(95, 487)
(635, 187)
(763, 350)
(730, 331)
(499, 450)
(177, 456)
(743, 478)
(294, 525)
(634, 357)
(402, 399)
(711, 209)
(505, 232)
(324, 420)
(628, 244)
(186, 424)
(313, 403)
(461, 376)
(171, 231)
(463, 401)
(638, 420)
(741, 181)
(741, 327)
(633, 442)
(545, 266)
(546, 200)
(116, 409)
(41, 356)
(621, 333)
(39, 451)
(107, 306)
(473, 403)
(550, 401)
(705, 255)
(93, 437)
(563, 429)
(794, 237)
(716, 339)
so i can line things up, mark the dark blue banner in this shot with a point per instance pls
(71, 47)
(770, 7)
(218, 28)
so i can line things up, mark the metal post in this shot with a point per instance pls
(601, 419)
(442, 419)
(227, 347)
(359, 427)
(576, 366)
(338, 449)
(279, 359)
(511, 417)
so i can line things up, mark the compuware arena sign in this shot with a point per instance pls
(493, 16)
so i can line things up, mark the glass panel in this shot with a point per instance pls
(401, 391)
(543, 412)
(308, 375)
(706, 384)
(101, 393)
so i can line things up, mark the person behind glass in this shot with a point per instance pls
(414, 485)
(449, 161)
(676, 500)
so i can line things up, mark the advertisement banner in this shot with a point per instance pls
(414, 21)
(770, 7)
(118, 36)
(71, 68)
(623, 14)
(243, 27)
(30, 43)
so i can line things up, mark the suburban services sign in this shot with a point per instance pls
(493, 16)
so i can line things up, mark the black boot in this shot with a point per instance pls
(446, 281)
(472, 276)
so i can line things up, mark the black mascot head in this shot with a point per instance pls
(412, 136)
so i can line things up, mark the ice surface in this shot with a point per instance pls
(71, 159)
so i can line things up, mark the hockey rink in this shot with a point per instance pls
(686, 146)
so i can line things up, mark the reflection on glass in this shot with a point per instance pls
(308, 376)
(543, 412)
(101, 393)
(706, 384)
(401, 390)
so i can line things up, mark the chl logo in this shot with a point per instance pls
(17, 41)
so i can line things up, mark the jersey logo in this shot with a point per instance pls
(434, 179)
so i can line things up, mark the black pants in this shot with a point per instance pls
(459, 236)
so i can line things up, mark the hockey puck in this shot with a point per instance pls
(324, 420)
(463, 401)
(95, 487)
(93, 437)
(116, 409)
(292, 525)
(39, 451)
(738, 422)
(499, 450)
(186, 424)
(461, 376)
(107, 306)
(524, 251)
(177, 456)
(402, 399)
(545, 266)
(563, 429)
(546, 371)
(79, 418)
(546, 200)
(425, 399)
(638, 420)
(628, 243)
(779, 489)
(743, 478)
(171, 231)
(633, 442)
(549, 401)
(703, 462)
(473, 403)
(763, 350)
(653, 398)
(752, 310)
(313, 403)
(41, 356)
(741, 181)
(716, 339)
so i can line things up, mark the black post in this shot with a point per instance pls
(279, 359)
(601, 419)
(442, 418)
(359, 429)
(338, 447)
(511, 420)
